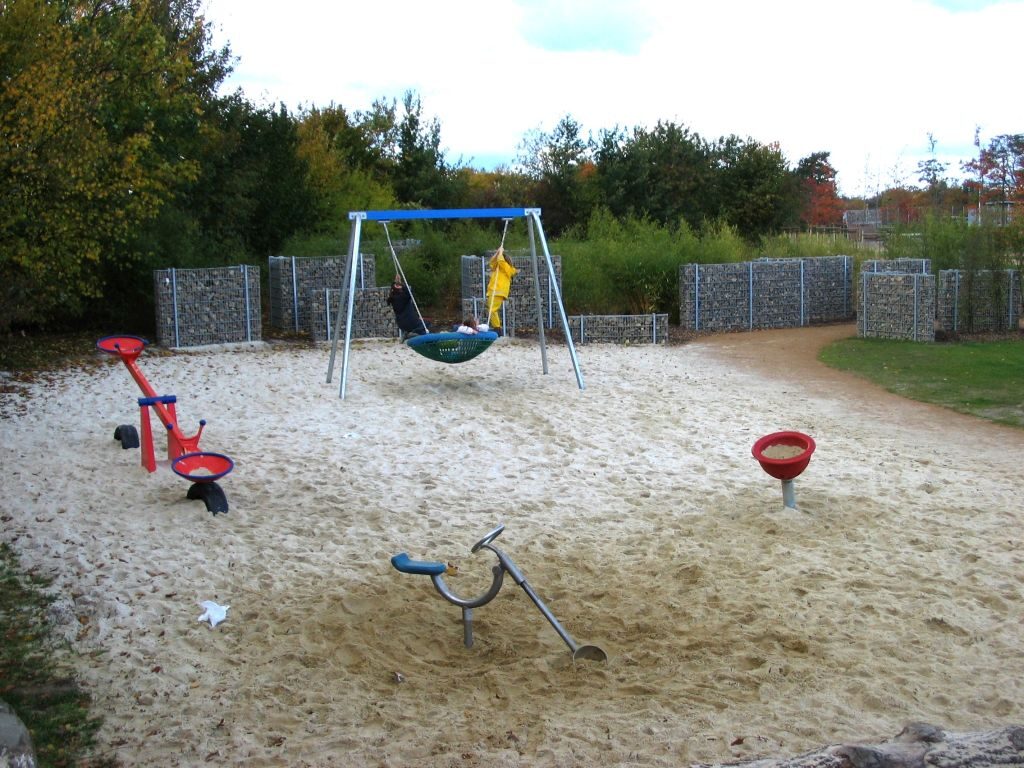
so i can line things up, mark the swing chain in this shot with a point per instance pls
(501, 249)
(405, 282)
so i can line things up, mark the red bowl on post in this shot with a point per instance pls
(784, 455)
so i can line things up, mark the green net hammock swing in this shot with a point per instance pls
(443, 347)
(452, 347)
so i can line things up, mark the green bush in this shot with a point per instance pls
(950, 244)
(805, 245)
(610, 266)
(314, 245)
(720, 243)
(631, 266)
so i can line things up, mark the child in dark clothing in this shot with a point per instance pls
(406, 316)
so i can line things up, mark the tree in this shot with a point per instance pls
(662, 174)
(930, 172)
(821, 204)
(754, 189)
(100, 109)
(999, 170)
(421, 175)
(560, 165)
(361, 141)
(253, 191)
(501, 188)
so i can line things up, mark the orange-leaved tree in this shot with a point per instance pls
(821, 204)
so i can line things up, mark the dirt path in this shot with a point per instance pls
(791, 354)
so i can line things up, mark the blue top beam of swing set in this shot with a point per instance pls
(445, 213)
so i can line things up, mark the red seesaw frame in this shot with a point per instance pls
(182, 450)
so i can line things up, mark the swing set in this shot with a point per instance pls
(448, 347)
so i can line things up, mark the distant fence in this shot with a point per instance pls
(978, 301)
(293, 280)
(619, 329)
(896, 305)
(195, 307)
(768, 293)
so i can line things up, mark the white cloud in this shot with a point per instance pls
(866, 82)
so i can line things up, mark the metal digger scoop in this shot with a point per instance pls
(436, 571)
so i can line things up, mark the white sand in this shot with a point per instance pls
(736, 627)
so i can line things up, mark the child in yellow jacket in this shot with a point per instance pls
(498, 286)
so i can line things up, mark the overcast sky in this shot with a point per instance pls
(866, 81)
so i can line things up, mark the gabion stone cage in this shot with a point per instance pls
(372, 316)
(896, 305)
(293, 279)
(768, 293)
(196, 307)
(619, 329)
(978, 301)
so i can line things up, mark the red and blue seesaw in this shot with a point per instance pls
(203, 469)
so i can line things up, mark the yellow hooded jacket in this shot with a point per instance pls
(499, 285)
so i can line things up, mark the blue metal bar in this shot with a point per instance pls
(248, 308)
(846, 288)
(864, 301)
(295, 296)
(174, 295)
(803, 290)
(956, 303)
(1012, 304)
(750, 294)
(696, 297)
(917, 300)
(449, 213)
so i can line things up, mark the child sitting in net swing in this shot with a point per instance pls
(470, 326)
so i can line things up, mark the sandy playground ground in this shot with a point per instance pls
(736, 627)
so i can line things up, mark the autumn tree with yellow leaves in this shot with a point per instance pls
(101, 106)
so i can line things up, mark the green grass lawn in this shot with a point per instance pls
(981, 378)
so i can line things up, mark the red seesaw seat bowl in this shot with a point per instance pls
(202, 467)
(791, 466)
(122, 345)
